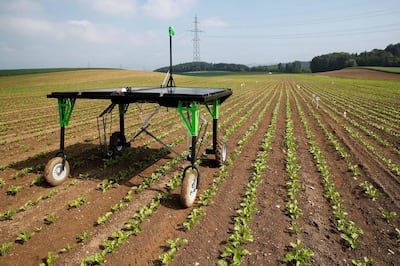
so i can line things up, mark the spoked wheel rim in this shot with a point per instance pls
(117, 143)
(221, 153)
(58, 172)
(189, 186)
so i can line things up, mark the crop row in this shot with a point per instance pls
(297, 254)
(350, 233)
(170, 185)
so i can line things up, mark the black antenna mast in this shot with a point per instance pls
(171, 82)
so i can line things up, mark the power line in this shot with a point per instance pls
(320, 34)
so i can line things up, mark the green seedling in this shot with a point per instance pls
(13, 190)
(78, 202)
(82, 237)
(366, 261)
(38, 180)
(24, 236)
(50, 218)
(370, 190)
(96, 259)
(50, 260)
(8, 215)
(167, 257)
(5, 247)
(388, 215)
(298, 255)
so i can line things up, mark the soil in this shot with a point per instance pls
(361, 73)
(206, 240)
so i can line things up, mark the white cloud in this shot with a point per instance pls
(112, 7)
(167, 9)
(26, 26)
(21, 7)
(86, 31)
(213, 22)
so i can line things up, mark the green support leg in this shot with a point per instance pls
(65, 108)
(191, 121)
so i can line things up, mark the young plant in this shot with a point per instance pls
(5, 247)
(388, 215)
(78, 202)
(50, 260)
(193, 218)
(50, 218)
(24, 236)
(298, 255)
(96, 259)
(68, 248)
(82, 237)
(167, 257)
(38, 180)
(235, 253)
(104, 218)
(370, 190)
(13, 190)
(366, 261)
(351, 233)
(8, 215)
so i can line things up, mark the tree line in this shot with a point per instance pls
(389, 57)
(294, 67)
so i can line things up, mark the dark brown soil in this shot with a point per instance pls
(206, 240)
(361, 73)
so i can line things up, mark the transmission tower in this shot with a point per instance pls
(196, 40)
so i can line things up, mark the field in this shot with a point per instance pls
(312, 176)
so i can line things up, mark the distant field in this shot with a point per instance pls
(13, 72)
(384, 69)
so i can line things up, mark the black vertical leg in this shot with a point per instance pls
(215, 136)
(62, 146)
(193, 151)
(62, 139)
(122, 126)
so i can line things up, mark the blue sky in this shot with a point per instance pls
(133, 34)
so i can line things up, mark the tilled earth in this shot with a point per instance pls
(207, 240)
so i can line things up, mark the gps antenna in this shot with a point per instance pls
(171, 82)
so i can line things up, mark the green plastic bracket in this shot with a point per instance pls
(65, 107)
(191, 121)
(214, 112)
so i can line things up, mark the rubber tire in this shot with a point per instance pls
(189, 186)
(117, 143)
(52, 172)
(220, 153)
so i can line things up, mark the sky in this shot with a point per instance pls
(133, 34)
